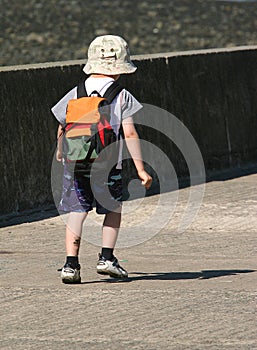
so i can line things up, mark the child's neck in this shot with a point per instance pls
(115, 77)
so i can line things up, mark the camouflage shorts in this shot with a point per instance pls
(80, 193)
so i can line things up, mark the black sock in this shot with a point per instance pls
(107, 253)
(72, 260)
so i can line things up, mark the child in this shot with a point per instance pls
(108, 58)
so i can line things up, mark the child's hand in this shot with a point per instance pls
(146, 179)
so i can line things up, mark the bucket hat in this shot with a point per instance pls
(109, 54)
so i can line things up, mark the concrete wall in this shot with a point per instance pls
(212, 92)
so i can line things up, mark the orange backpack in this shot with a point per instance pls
(88, 131)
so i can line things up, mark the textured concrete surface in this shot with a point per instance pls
(189, 290)
(57, 30)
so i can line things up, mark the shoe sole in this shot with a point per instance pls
(113, 275)
(70, 281)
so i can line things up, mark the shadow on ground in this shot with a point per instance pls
(50, 211)
(173, 276)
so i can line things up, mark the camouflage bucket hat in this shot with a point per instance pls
(109, 54)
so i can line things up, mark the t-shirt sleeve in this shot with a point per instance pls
(130, 105)
(59, 110)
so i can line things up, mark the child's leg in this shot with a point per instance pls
(74, 232)
(107, 263)
(111, 227)
(71, 270)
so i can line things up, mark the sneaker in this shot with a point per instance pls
(70, 274)
(110, 267)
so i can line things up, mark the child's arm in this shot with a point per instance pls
(133, 144)
(59, 143)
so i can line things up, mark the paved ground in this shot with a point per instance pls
(190, 290)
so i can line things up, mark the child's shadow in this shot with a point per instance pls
(204, 274)
(173, 276)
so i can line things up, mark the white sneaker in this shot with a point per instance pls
(110, 267)
(70, 274)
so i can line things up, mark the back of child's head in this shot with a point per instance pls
(109, 55)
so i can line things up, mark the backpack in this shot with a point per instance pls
(88, 131)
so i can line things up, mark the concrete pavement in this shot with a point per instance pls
(187, 290)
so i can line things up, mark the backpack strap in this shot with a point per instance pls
(81, 89)
(113, 90)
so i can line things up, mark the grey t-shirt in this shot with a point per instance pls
(123, 106)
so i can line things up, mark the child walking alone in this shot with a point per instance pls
(108, 58)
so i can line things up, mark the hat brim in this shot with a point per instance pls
(110, 69)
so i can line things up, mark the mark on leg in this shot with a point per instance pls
(77, 242)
